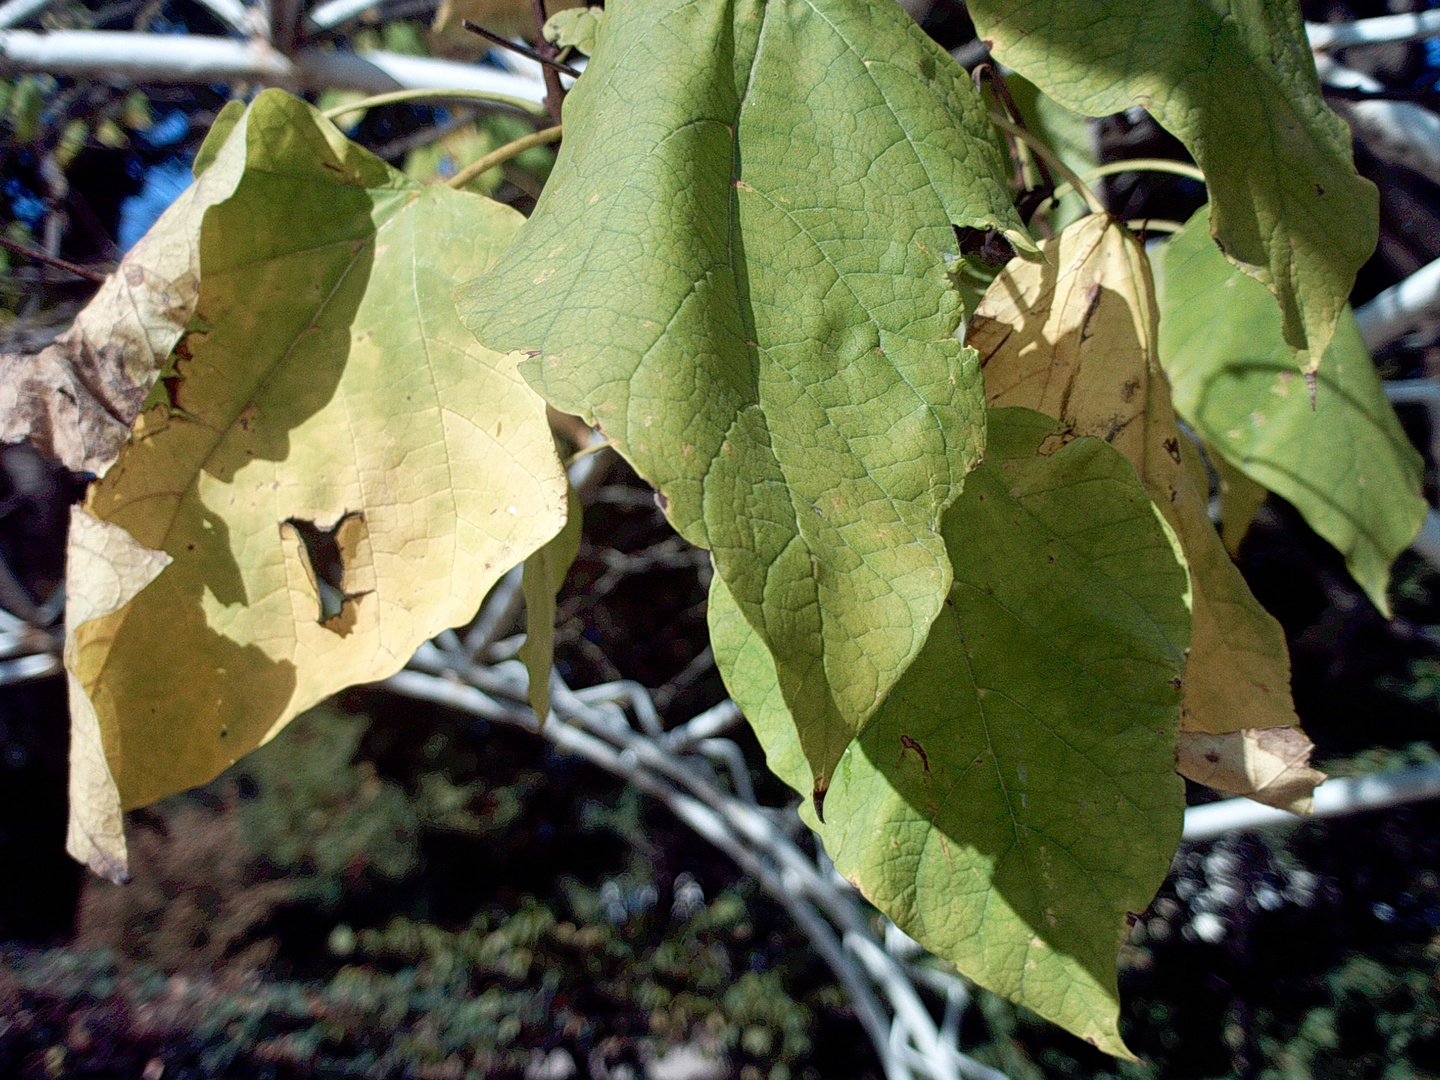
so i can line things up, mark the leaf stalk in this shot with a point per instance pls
(502, 154)
(1057, 166)
(433, 93)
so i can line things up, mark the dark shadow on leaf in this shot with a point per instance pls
(270, 357)
(1035, 732)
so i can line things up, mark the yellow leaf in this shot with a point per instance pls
(1271, 766)
(336, 470)
(106, 568)
(1074, 337)
(544, 574)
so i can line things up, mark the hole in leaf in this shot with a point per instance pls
(326, 551)
(987, 247)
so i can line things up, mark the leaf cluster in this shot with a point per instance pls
(966, 586)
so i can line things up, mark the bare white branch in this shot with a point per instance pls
(15, 12)
(1398, 132)
(1407, 306)
(1334, 798)
(676, 769)
(1375, 31)
(165, 58)
(331, 14)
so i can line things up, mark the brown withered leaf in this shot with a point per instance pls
(1270, 766)
(1074, 337)
(76, 399)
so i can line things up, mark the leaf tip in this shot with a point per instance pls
(818, 795)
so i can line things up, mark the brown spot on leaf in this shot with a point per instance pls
(908, 743)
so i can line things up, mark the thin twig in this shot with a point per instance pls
(586, 451)
(1165, 165)
(554, 92)
(51, 260)
(1153, 225)
(1429, 98)
(503, 154)
(523, 50)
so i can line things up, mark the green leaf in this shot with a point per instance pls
(1016, 796)
(1345, 464)
(330, 429)
(1235, 81)
(738, 269)
(544, 574)
(574, 28)
(217, 136)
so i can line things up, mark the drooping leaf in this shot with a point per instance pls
(1345, 464)
(336, 470)
(105, 568)
(1074, 337)
(1235, 81)
(1270, 766)
(76, 399)
(1015, 798)
(738, 270)
(544, 574)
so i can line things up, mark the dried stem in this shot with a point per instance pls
(51, 260)
(523, 50)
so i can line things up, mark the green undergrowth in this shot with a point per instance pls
(384, 892)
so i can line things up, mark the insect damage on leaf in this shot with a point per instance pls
(348, 473)
(76, 399)
(1270, 766)
(330, 556)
